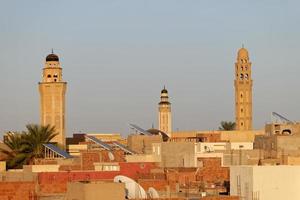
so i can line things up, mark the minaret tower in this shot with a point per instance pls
(52, 98)
(164, 113)
(243, 91)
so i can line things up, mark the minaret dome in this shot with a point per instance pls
(242, 54)
(52, 57)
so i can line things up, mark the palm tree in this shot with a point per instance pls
(227, 126)
(14, 150)
(35, 137)
(25, 147)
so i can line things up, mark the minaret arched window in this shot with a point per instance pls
(242, 76)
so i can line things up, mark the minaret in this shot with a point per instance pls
(52, 96)
(164, 113)
(243, 91)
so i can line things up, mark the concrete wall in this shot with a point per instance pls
(178, 154)
(203, 147)
(142, 143)
(241, 157)
(241, 145)
(143, 158)
(95, 191)
(228, 136)
(265, 182)
(40, 168)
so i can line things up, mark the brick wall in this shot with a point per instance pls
(56, 182)
(88, 159)
(17, 191)
(212, 171)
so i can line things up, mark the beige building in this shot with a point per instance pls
(281, 140)
(188, 153)
(265, 182)
(52, 98)
(243, 91)
(164, 113)
(142, 144)
(217, 135)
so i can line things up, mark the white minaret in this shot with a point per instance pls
(164, 113)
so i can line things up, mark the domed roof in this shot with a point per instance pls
(52, 57)
(164, 90)
(243, 53)
(154, 131)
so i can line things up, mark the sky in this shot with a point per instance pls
(117, 55)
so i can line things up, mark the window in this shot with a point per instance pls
(242, 124)
(242, 68)
(242, 110)
(55, 75)
(242, 76)
(246, 76)
(48, 76)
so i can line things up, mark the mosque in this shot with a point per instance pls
(52, 90)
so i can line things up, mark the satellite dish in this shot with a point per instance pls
(153, 194)
(133, 189)
(111, 156)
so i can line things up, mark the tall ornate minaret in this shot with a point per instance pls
(52, 96)
(243, 91)
(164, 114)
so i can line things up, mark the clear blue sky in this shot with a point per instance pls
(117, 55)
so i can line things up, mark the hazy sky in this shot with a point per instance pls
(117, 55)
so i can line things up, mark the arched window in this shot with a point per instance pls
(242, 76)
(246, 76)
(49, 76)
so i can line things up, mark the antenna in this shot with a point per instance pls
(52, 51)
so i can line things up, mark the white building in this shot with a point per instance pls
(265, 182)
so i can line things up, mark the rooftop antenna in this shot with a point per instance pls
(52, 51)
(152, 125)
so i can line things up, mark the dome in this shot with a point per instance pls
(52, 57)
(154, 131)
(164, 90)
(243, 53)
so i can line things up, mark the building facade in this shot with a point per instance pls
(52, 90)
(243, 91)
(164, 113)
